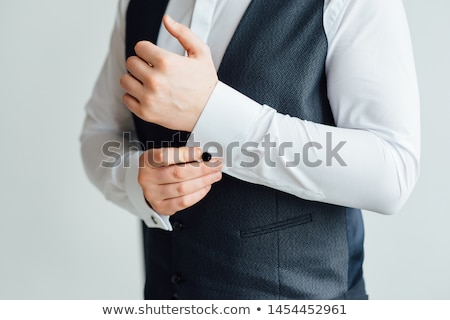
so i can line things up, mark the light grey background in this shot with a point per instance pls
(59, 239)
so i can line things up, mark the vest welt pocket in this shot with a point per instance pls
(277, 226)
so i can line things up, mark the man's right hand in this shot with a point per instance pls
(174, 179)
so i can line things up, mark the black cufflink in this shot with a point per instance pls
(206, 156)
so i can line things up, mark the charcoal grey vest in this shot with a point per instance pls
(246, 241)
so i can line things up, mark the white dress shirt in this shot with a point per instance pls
(372, 90)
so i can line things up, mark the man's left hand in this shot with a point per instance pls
(166, 88)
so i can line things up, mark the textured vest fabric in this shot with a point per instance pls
(246, 241)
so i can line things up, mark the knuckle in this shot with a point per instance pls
(181, 188)
(146, 100)
(123, 80)
(160, 60)
(152, 82)
(185, 202)
(147, 79)
(178, 172)
(140, 46)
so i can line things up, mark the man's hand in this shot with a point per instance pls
(174, 179)
(166, 88)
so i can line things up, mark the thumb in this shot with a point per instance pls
(193, 45)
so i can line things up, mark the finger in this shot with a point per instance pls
(185, 172)
(139, 68)
(171, 206)
(164, 157)
(193, 45)
(150, 53)
(183, 188)
(132, 86)
(131, 102)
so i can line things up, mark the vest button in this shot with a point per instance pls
(176, 279)
(177, 226)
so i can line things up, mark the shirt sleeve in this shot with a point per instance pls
(370, 160)
(109, 150)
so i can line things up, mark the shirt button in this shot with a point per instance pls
(176, 279)
(177, 226)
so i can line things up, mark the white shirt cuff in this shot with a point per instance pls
(225, 106)
(134, 191)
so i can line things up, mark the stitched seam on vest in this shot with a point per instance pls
(278, 226)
